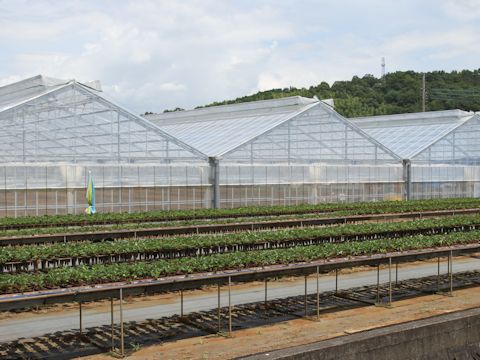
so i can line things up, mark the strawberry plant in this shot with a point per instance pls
(81, 275)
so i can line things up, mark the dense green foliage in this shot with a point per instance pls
(380, 207)
(239, 257)
(398, 92)
(64, 277)
(193, 242)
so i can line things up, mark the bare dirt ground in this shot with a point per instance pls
(304, 331)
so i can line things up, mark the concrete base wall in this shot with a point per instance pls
(451, 336)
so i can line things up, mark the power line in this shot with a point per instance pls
(450, 94)
(455, 92)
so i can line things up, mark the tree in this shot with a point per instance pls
(398, 92)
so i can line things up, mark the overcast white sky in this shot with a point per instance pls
(152, 55)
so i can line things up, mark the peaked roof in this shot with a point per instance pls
(58, 134)
(23, 90)
(27, 89)
(409, 134)
(219, 129)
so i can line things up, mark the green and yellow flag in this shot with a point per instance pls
(90, 195)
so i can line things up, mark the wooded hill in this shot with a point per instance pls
(397, 92)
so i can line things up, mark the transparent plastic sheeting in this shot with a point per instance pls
(258, 174)
(445, 181)
(51, 136)
(315, 135)
(293, 129)
(462, 146)
(437, 137)
(72, 124)
(277, 184)
(57, 189)
(437, 173)
(71, 176)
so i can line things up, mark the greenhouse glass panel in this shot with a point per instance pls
(460, 146)
(216, 130)
(72, 124)
(316, 135)
(408, 134)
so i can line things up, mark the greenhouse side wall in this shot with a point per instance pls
(61, 189)
(274, 184)
(450, 167)
(445, 181)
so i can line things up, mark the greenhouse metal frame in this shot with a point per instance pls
(274, 152)
(440, 150)
(54, 132)
(287, 151)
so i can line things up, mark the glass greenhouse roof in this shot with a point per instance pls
(49, 120)
(217, 130)
(16, 93)
(409, 134)
(293, 128)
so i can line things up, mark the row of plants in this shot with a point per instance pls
(147, 225)
(51, 230)
(192, 242)
(82, 275)
(351, 208)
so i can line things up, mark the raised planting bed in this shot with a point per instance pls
(173, 215)
(44, 257)
(221, 228)
(83, 275)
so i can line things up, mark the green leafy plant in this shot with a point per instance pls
(189, 215)
(74, 276)
(194, 243)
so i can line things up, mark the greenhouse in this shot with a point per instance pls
(275, 152)
(287, 151)
(53, 132)
(440, 150)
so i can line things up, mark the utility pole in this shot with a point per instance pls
(423, 92)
